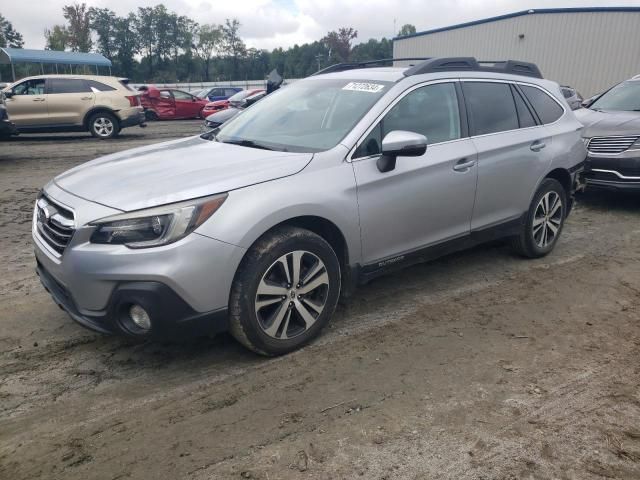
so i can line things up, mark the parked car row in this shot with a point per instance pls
(100, 105)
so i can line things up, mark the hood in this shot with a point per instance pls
(175, 171)
(606, 123)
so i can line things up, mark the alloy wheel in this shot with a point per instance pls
(103, 126)
(547, 219)
(292, 294)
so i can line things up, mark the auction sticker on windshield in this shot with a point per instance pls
(363, 87)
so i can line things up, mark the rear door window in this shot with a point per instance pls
(491, 107)
(67, 85)
(547, 108)
(230, 91)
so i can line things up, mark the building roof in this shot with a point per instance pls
(16, 55)
(520, 14)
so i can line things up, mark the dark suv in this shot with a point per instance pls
(612, 137)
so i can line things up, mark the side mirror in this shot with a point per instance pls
(400, 143)
(8, 94)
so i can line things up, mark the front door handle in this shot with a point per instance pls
(463, 165)
(537, 146)
(38, 99)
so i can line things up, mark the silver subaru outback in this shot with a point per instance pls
(260, 226)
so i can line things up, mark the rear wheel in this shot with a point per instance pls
(544, 221)
(285, 291)
(104, 125)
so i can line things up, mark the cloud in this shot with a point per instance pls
(283, 23)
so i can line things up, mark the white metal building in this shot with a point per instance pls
(587, 48)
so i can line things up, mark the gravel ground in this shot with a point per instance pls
(478, 366)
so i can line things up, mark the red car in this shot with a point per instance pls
(213, 107)
(170, 104)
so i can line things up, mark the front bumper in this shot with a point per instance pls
(613, 173)
(171, 316)
(185, 285)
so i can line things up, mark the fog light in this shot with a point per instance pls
(140, 317)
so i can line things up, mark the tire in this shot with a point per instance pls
(283, 318)
(151, 116)
(538, 237)
(104, 125)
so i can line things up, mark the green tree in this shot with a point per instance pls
(407, 29)
(233, 46)
(103, 22)
(208, 41)
(57, 38)
(340, 42)
(79, 27)
(125, 41)
(145, 29)
(8, 36)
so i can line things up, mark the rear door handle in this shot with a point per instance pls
(464, 165)
(537, 146)
(38, 99)
(86, 98)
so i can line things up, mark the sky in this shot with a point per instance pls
(267, 24)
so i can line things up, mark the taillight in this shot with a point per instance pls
(134, 100)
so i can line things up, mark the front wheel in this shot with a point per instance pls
(104, 125)
(284, 292)
(544, 220)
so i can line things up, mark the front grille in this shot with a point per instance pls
(54, 224)
(610, 145)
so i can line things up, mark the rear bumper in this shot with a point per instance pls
(170, 315)
(135, 118)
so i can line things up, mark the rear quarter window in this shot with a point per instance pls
(547, 108)
(99, 86)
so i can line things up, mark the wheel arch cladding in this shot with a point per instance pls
(322, 227)
(562, 176)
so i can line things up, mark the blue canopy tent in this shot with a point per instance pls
(11, 56)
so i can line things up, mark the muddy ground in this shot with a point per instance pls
(478, 366)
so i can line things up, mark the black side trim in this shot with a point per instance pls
(381, 267)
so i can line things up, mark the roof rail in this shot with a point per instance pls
(341, 67)
(514, 67)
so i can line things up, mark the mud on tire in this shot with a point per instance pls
(271, 316)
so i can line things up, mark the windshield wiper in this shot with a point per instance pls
(248, 143)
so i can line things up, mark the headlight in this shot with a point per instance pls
(156, 226)
(586, 141)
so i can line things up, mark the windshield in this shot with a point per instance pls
(625, 96)
(307, 116)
